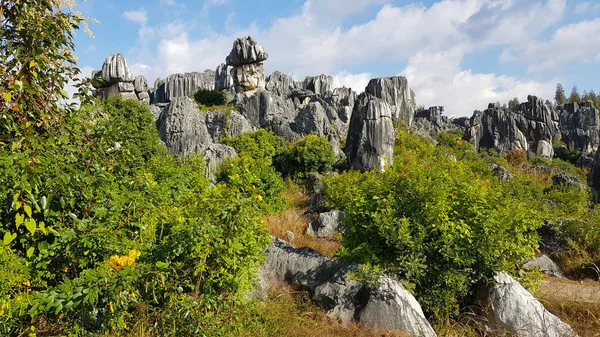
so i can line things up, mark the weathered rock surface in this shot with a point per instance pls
(326, 225)
(532, 127)
(320, 85)
(115, 69)
(432, 121)
(594, 177)
(564, 179)
(223, 77)
(182, 127)
(396, 92)
(545, 265)
(281, 84)
(580, 126)
(226, 123)
(389, 306)
(246, 51)
(246, 58)
(181, 85)
(371, 134)
(501, 172)
(214, 156)
(514, 309)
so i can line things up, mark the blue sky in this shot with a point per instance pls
(461, 54)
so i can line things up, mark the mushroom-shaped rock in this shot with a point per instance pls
(371, 134)
(246, 51)
(116, 69)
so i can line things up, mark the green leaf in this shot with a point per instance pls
(31, 225)
(7, 96)
(9, 237)
(64, 94)
(27, 210)
(18, 84)
(30, 251)
(32, 64)
(19, 218)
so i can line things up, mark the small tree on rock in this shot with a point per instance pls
(559, 95)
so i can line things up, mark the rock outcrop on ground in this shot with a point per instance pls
(371, 135)
(532, 127)
(326, 225)
(511, 307)
(387, 306)
(545, 265)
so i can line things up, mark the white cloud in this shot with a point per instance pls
(432, 40)
(579, 42)
(438, 79)
(139, 16)
(168, 2)
(357, 82)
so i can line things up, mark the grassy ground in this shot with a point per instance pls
(294, 220)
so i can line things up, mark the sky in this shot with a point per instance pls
(461, 54)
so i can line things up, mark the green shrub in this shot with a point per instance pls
(210, 98)
(438, 225)
(254, 178)
(260, 145)
(308, 155)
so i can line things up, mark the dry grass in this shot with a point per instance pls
(574, 302)
(294, 220)
(292, 314)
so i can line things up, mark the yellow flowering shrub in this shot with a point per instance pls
(122, 261)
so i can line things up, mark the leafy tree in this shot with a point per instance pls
(308, 155)
(574, 97)
(559, 95)
(210, 97)
(38, 60)
(513, 104)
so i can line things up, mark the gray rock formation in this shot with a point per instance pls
(281, 84)
(141, 89)
(580, 126)
(532, 127)
(214, 156)
(116, 80)
(226, 123)
(181, 85)
(223, 77)
(396, 92)
(246, 58)
(512, 308)
(320, 85)
(565, 179)
(246, 51)
(388, 306)
(115, 69)
(326, 225)
(371, 134)
(432, 121)
(594, 177)
(182, 127)
(545, 265)
(501, 172)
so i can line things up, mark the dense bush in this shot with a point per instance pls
(438, 225)
(308, 155)
(260, 145)
(210, 98)
(105, 220)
